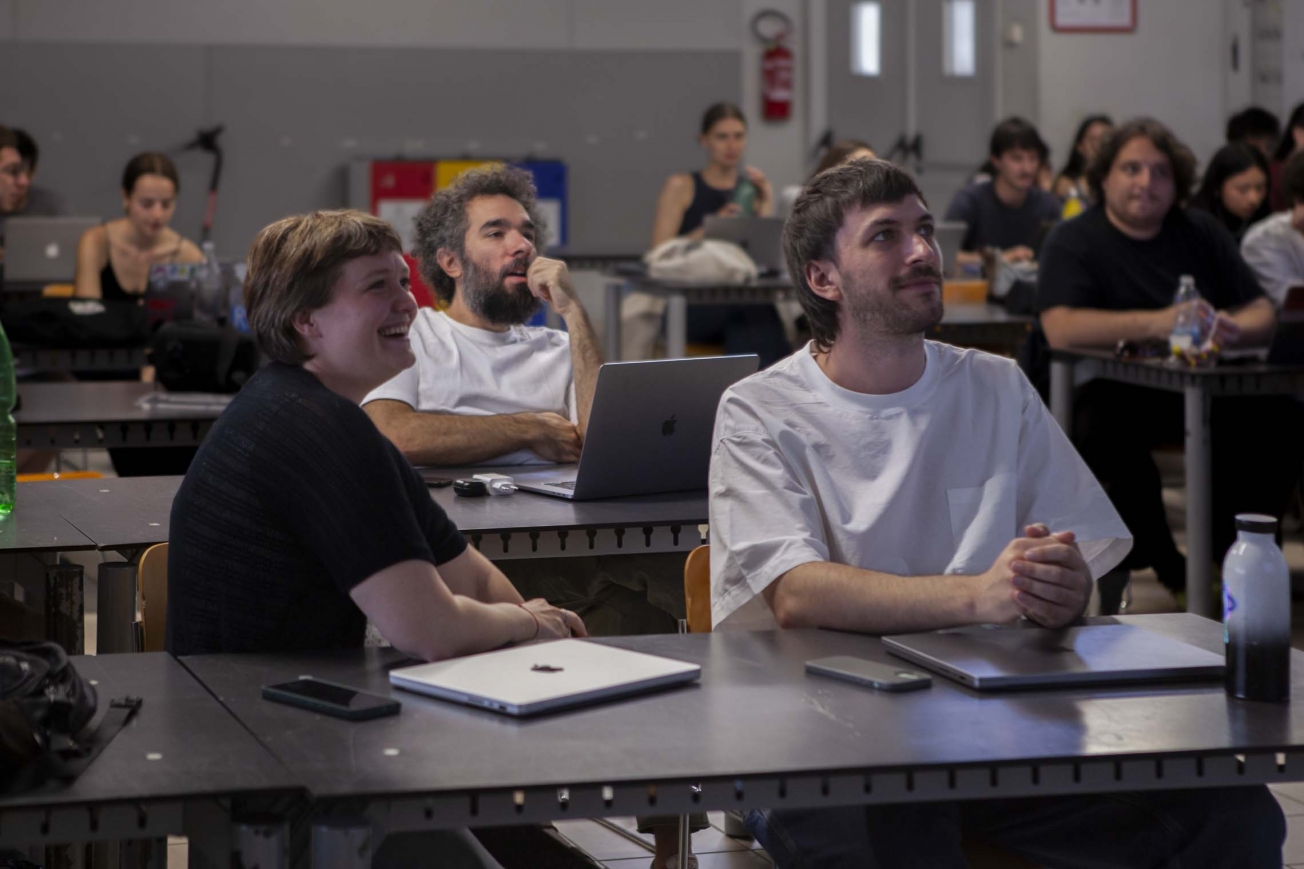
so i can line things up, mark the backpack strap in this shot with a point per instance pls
(69, 762)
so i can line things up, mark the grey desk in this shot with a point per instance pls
(528, 525)
(105, 414)
(36, 527)
(79, 359)
(119, 514)
(597, 258)
(161, 775)
(1198, 387)
(757, 731)
(963, 325)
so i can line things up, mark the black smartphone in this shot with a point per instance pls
(877, 675)
(329, 698)
(438, 484)
(470, 488)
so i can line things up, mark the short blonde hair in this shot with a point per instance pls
(293, 266)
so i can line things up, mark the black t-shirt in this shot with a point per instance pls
(992, 223)
(293, 499)
(1087, 263)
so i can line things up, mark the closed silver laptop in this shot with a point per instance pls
(43, 250)
(994, 657)
(649, 430)
(761, 237)
(544, 677)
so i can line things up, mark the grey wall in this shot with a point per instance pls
(295, 116)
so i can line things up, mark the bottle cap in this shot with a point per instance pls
(1256, 523)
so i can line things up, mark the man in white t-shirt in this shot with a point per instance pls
(881, 483)
(487, 389)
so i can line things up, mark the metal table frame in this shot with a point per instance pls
(80, 359)
(1198, 388)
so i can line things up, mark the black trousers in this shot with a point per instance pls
(1258, 448)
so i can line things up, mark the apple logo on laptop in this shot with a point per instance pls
(668, 427)
(52, 250)
(544, 668)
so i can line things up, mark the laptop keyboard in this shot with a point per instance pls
(565, 484)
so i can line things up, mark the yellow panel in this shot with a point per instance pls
(448, 170)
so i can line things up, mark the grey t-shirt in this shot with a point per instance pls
(992, 223)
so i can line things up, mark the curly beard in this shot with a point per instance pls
(489, 297)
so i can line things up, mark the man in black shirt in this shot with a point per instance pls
(1110, 275)
(1009, 212)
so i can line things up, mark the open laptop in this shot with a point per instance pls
(544, 677)
(993, 657)
(761, 237)
(43, 250)
(649, 430)
(950, 235)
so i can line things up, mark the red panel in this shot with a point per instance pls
(401, 179)
(423, 294)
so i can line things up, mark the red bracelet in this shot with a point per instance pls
(535, 636)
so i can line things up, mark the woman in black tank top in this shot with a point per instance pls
(725, 187)
(114, 258)
(687, 199)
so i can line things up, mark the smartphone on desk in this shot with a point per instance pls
(330, 698)
(872, 674)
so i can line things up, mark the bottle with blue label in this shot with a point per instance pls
(1188, 330)
(1256, 612)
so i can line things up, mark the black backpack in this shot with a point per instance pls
(193, 356)
(75, 322)
(45, 709)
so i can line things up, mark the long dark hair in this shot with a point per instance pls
(1287, 144)
(1230, 160)
(721, 112)
(1076, 165)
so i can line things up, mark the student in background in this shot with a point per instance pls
(1274, 248)
(1071, 183)
(114, 258)
(1109, 275)
(1256, 127)
(41, 201)
(15, 180)
(1009, 213)
(1292, 142)
(1235, 188)
(728, 188)
(840, 152)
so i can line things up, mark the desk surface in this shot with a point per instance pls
(113, 513)
(529, 511)
(98, 402)
(204, 752)
(1167, 369)
(754, 713)
(36, 526)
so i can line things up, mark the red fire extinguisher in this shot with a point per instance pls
(772, 28)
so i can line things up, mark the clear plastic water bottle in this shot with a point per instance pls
(1256, 612)
(8, 429)
(1188, 331)
(212, 291)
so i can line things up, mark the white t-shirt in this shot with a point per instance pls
(475, 372)
(935, 479)
(1274, 248)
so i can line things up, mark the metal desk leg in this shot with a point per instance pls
(1061, 393)
(683, 842)
(342, 844)
(676, 326)
(611, 317)
(1199, 502)
(116, 611)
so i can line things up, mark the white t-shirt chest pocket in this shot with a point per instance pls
(983, 522)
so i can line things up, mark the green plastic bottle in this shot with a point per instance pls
(744, 196)
(8, 429)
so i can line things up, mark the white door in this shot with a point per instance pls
(921, 89)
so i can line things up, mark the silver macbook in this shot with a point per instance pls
(761, 237)
(950, 235)
(544, 677)
(43, 250)
(649, 430)
(993, 657)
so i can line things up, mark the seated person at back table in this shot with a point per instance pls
(1234, 188)
(881, 483)
(1256, 127)
(687, 199)
(114, 258)
(487, 389)
(1274, 248)
(1011, 212)
(1109, 275)
(1071, 183)
(19, 197)
(298, 521)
